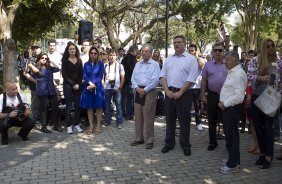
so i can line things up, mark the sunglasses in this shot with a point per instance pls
(217, 50)
(44, 58)
(94, 53)
(272, 45)
(104, 53)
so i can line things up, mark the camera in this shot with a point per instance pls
(21, 115)
(112, 83)
(20, 109)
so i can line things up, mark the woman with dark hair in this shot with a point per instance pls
(93, 94)
(45, 90)
(72, 75)
(263, 70)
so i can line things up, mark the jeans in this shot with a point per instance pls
(35, 106)
(129, 96)
(116, 95)
(264, 129)
(197, 104)
(72, 96)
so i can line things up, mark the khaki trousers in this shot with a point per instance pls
(145, 117)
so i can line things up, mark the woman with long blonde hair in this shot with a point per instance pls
(263, 70)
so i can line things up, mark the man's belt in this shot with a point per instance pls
(173, 89)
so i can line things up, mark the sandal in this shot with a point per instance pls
(98, 131)
(89, 132)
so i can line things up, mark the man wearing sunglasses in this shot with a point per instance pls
(213, 77)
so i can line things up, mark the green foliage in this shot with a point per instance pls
(35, 18)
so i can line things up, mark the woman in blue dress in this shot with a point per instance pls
(45, 90)
(93, 94)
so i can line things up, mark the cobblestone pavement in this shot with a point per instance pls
(108, 158)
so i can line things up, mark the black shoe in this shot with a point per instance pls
(58, 129)
(129, 118)
(265, 164)
(166, 149)
(4, 141)
(242, 130)
(187, 151)
(260, 160)
(135, 143)
(24, 138)
(44, 129)
(212, 147)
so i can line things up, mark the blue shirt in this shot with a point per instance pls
(146, 74)
(180, 69)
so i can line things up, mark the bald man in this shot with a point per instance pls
(14, 111)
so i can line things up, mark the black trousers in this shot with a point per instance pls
(264, 129)
(231, 117)
(26, 125)
(213, 110)
(44, 100)
(178, 109)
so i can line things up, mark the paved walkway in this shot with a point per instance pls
(108, 158)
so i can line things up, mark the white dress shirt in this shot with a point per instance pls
(233, 91)
(180, 69)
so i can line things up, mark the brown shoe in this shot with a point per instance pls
(135, 143)
(149, 146)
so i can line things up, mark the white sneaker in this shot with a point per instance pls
(69, 130)
(200, 127)
(227, 170)
(78, 129)
(224, 161)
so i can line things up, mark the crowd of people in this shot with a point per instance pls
(104, 82)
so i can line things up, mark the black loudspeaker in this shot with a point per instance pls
(85, 31)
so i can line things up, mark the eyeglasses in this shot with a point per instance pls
(93, 53)
(217, 50)
(272, 45)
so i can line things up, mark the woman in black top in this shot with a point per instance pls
(72, 74)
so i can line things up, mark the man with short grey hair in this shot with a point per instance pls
(230, 102)
(145, 79)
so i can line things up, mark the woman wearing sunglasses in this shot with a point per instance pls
(45, 90)
(263, 70)
(93, 94)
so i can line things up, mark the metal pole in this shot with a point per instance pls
(166, 29)
(157, 36)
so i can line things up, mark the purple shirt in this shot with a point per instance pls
(216, 74)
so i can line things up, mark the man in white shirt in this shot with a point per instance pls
(14, 111)
(114, 80)
(86, 45)
(231, 98)
(56, 57)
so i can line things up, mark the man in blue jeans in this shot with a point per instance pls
(114, 80)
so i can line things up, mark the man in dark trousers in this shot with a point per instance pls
(128, 63)
(231, 98)
(14, 111)
(178, 75)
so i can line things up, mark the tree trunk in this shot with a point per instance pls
(7, 16)
(10, 61)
